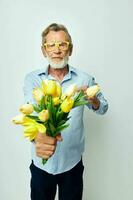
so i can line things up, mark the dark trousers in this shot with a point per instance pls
(70, 183)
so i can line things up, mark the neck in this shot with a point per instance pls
(58, 73)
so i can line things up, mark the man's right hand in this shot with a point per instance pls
(46, 145)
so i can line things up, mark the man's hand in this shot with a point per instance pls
(46, 145)
(93, 100)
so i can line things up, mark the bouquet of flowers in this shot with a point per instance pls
(50, 113)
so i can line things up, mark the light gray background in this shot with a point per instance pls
(102, 36)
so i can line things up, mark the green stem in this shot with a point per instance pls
(44, 161)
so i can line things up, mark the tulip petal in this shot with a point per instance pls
(19, 119)
(41, 128)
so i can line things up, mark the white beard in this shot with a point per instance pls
(58, 65)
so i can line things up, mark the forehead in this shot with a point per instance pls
(53, 36)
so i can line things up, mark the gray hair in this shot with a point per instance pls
(57, 27)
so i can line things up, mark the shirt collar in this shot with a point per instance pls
(45, 71)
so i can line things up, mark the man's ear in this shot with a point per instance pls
(43, 51)
(70, 51)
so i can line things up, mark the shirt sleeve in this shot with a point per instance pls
(27, 89)
(103, 102)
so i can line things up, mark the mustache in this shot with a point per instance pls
(57, 57)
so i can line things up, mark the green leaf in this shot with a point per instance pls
(59, 115)
(80, 103)
(36, 108)
(36, 118)
(42, 104)
(52, 128)
(50, 109)
(60, 128)
(63, 121)
(79, 96)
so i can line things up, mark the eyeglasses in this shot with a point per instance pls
(61, 45)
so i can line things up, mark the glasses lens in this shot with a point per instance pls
(61, 45)
(50, 46)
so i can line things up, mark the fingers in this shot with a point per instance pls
(45, 139)
(45, 150)
(92, 99)
(46, 145)
(59, 137)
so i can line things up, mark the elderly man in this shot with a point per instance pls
(64, 167)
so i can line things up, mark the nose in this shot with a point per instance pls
(56, 49)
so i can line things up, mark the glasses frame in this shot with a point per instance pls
(56, 44)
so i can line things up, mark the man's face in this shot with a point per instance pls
(56, 49)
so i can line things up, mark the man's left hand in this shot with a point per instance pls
(93, 100)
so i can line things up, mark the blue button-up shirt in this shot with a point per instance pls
(69, 151)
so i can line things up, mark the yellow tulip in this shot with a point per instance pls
(44, 86)
(58, 90)
(32, 130)
(51, 88)
(19, 119)
(37, 94)
(26, 109)
(41, 128)
(43, 115)
(56, 100)
(28, 121)
(92, 91)
(67, 104)
(71, 90)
